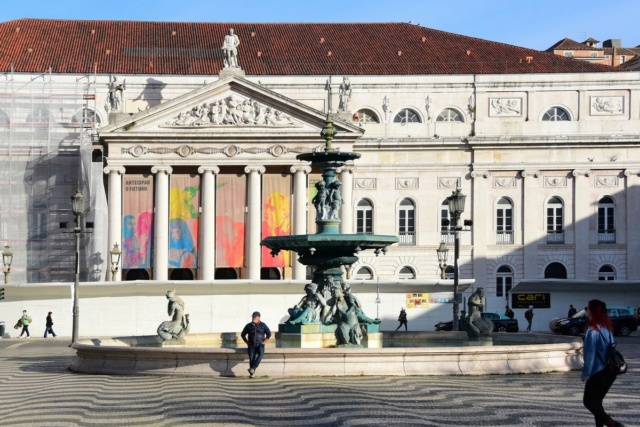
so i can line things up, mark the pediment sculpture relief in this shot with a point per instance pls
(231, 111)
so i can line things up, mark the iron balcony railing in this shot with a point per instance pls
(407, 238)
(555, 237)
(606, 236)
(504, 237)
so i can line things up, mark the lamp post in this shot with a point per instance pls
(78, 209)
(456, 207)
(7, 259)
(442, 252)
(115, 261)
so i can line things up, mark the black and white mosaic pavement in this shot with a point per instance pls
(37, 389)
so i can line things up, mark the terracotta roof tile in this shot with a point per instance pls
(131, 47)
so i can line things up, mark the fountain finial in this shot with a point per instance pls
(328, 132)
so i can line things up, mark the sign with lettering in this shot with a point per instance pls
(537, 300)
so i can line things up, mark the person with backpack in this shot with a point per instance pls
(529, 316)
(402, 318)
(596, 377)
(26, 320)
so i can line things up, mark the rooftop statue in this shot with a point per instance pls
(178, 326)
(344, 94)
(230, 49)
(115, 96)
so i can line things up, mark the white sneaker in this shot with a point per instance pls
(29, 337)
(19, 336)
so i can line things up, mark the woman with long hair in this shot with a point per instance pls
(595, 374)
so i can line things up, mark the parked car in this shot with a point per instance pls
(501, 323)
(624, 322)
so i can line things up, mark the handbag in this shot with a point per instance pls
(615, 362)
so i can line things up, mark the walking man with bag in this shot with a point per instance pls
(255, 334)
(26, 320)
(49, 327)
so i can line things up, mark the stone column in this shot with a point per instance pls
(115, 214)
(299, 213)
(346, 177)
(161, 229)
(207, 238)
(530, 222)
(632, 191)
(253, 226)
(484, 230)
(582, 212)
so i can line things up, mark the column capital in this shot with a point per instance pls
(259, 169)
(477, 174)
(116, 169)
(346, 168)
(630, 172)
(300, 168)
(168, 170)
(582, 172)
(533, 173)
(209, 169)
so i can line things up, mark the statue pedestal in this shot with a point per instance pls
(232, 71)
(317, 335)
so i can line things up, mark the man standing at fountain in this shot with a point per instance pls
(255, 334)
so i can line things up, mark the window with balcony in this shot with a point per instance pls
(556, 114)
(504, 281)
(406, 273)
(364, 217)
(407, 115)
(407, 222)
(555, 212)
(447, 228)
(504, 221)
(607, 272)
(555, 270)
(606, 220)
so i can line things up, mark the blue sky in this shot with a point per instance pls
(536, 24)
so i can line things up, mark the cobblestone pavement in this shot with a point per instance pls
(37, 389)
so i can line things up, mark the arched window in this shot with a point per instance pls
(407, 222)
(181, 274)
(270, 273)
(40, 115)
(556, 114)
(86, 118)
(607, 272)
(504, 281)
(137, 274)
(504, 221)
(364, 273)
(449, 115)
(555, 233)
(367, 116)
(606, 220)
(449, 272)
(226, 274)
(406, 273)
(407, 115)
(555, 270)
(364, 217)
(447, 228)
(38, 222)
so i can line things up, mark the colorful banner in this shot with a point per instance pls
(137, 221)
(184, 204)
(417, 300)
(311, 210)
(276, 216)
(230, 206)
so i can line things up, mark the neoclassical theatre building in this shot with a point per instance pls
(183, 138)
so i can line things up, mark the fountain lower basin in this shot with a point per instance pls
(221, 355)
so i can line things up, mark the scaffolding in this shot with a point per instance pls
(46, 130)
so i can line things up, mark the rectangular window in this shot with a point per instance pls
(623, 59)
(364, 221)
(593, 54)
(568, 54)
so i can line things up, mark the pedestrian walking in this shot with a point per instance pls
(402, 318)
(509, 313)
(49, 327)
(255, 334)
(572, 311)
(597, 378)
(26, 320)
(529, 316)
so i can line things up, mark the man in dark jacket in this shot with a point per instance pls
(255, 334)
(509, 313)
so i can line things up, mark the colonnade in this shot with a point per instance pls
(207, 240)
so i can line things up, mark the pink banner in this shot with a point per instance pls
(137, 221)
(184, 204)
(276, 216)
(230, 207)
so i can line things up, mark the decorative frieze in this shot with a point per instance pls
(228, 150)
(607, 105)
(366, 183)
(504, 182)
(505, 107)
(555, 181)
(406, 183)
(449, 183)
(606, 181)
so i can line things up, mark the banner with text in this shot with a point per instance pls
(137, 221)
(537, 300)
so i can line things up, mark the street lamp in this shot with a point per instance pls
(115, 260)
(7, 259)
(442, 252)
(456, 207)
(77, 203)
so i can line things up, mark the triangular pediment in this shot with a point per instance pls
(231, 107)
